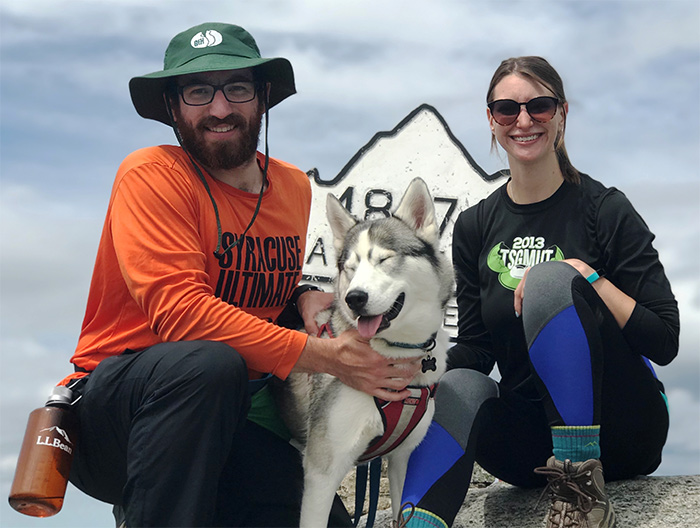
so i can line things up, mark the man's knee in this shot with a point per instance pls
(216, 362)
(210, 363)
(210, 366)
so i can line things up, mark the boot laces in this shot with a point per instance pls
(563, 486)
(400, 521)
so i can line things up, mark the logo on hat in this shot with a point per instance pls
(206, 39)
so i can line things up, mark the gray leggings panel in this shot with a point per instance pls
(466, 390)
(547, 292)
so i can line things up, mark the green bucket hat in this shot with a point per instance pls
(204, 48)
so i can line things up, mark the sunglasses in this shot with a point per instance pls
(506, 111)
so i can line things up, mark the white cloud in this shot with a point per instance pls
(682, 449)
(687, 364)
(632, 75)
(48, 250)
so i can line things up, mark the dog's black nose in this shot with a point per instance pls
(356, 300)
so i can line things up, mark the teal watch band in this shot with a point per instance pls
(593, 277)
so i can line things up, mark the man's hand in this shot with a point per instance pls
(350, 358)
(309, 304)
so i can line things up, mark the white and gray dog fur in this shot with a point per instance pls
(392, 285)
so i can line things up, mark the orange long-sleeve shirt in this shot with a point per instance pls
(156, 278)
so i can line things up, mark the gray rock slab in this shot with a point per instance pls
(644, 502)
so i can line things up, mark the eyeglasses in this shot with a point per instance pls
(202, 94)
(506, 111)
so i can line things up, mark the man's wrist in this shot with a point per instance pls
(313, 356)
(300, 290)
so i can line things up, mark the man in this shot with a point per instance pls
(201, 253)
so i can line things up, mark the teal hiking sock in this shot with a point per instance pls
(422, 519)
(576, 443)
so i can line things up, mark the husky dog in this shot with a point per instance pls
(392, 286)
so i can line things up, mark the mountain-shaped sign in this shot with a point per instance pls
(374, 180)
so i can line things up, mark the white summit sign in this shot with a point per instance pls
(374, 180)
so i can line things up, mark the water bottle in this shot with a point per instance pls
(44, 461)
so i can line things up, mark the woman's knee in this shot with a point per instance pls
(460, 395)
(549, 278)
(548, 291)
(462, 386)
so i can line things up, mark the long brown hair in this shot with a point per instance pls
(539, 70)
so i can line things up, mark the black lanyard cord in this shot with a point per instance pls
(217, 254)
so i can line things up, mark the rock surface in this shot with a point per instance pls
(644, 502)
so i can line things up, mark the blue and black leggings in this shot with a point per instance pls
(586, 375)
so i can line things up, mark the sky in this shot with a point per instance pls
(631, 71)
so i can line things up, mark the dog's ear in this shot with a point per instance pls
(339, 219)
(418, 211)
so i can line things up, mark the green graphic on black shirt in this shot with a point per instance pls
(511, 262)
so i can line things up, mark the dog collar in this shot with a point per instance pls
(426, 345)
(429, 362)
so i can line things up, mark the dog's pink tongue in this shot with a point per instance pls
(368, 326)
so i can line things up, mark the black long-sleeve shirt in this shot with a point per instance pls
(495, 240)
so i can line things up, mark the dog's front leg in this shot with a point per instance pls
(342, 423)
(320, 486)
(397, 464)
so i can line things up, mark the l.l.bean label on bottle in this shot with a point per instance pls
(63, 442)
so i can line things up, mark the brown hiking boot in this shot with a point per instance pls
(578, 494)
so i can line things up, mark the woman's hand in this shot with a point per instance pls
(620, 304)
(579, 265)
(518, 295)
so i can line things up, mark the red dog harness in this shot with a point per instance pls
(400, 418)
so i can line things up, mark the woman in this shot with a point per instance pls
(559, 285)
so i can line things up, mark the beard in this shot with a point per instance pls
(221, 155)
